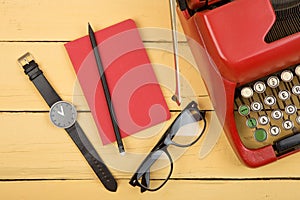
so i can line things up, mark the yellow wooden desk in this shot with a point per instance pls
(39, 161)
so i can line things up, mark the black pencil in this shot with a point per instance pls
(106, 90)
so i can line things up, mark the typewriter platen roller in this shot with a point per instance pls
(248, 53)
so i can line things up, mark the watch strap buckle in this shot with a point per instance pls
(25, 59)
(30, 66)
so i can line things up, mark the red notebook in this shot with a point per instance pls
(136, 95)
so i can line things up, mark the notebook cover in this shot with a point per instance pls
(136, 95)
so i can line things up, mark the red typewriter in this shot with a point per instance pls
(248, 53)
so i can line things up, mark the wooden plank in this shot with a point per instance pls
(32, 148)
(18, 93)
(63, 21)
(183, 189)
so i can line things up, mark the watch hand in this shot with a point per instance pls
(61, 112)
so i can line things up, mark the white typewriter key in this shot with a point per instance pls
(276, 114)
(273, 81)
(286, 76)
(259, 87)
(247, 92)
(270, 100)
(296, 90)
(284, 95)
(256, 106)
(274, 130)
(297, 70)
(298, 119)
(287, 124)
(290, 109)
(263, 120)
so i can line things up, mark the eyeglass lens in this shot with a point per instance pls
(160, 168)
(186, 130)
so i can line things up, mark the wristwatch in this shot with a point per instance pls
(63, 115)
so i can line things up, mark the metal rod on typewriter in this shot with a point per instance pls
(177, 96)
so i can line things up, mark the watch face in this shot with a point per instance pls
(63, 114)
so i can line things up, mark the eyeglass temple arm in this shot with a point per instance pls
(145, 180)
(148, 162)
(161, 144)
(144, 167)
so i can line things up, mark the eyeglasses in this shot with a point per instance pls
(185, 131)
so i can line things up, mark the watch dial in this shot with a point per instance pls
(63, 114)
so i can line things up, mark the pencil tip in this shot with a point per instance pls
(123, 153)
(90, 27)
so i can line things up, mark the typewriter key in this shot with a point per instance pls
(263, 120)
(290, 109)
(251, 122)
(247, 92)
(298, 119)
(297, 70)
(256, 106)
(244, 110)
(296, 90)
(270, 100)
(284, 95)
(273, 82)
(287, 124)
(260, 135)
(259, 87)
(276, 114)
(286, 76)
(274, 130)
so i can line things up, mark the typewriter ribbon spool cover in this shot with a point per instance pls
(232, 51)
(136, 94)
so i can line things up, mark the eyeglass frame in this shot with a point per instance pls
(164, 142)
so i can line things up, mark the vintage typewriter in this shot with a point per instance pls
(248, 53)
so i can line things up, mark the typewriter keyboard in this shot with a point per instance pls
(267, 110)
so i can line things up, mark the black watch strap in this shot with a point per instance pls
(36, 75)
(31, 69)
(45, 89)
(90, 154)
